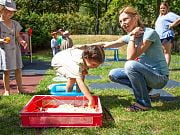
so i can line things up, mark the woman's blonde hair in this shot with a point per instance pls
(131, 11)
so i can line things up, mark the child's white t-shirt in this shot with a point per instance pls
(69, 63)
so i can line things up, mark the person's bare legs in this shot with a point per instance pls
(6, 75)
(70, 84)
(18, 75)
(167, 51)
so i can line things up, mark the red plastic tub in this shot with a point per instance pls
(34, 112)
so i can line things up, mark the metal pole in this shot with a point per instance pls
(30, 47)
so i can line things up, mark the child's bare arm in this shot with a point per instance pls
(86, 92)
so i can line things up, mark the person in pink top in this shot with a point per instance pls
(164, 26)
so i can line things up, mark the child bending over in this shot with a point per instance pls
(74, 63)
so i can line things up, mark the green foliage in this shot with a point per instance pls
(82, 16)
(44, 24)
(48, 6)
(109, 22)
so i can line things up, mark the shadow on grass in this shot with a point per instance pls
(114, 101)
(169, 105)
(37, 93)
(36, 74)
(167, 98)
(43, 92)
(174, 69)
(109, 102)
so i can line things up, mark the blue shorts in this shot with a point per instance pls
(167, 39)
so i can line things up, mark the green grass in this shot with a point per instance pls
(163, 119)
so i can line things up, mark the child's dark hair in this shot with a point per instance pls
(94, 52)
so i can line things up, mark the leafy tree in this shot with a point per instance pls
(82, 16)
(48, 6)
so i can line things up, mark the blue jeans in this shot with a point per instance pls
(139, 77)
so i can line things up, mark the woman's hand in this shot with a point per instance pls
(137, 32)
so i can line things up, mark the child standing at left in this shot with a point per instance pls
(10, 53)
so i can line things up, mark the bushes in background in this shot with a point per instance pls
(44, 24)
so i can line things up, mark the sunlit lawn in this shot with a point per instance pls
(163, 119)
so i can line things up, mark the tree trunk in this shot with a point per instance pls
(158, 2)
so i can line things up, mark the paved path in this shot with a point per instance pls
(164, 94)
(32, 75)
(35, 68)
(111, 85)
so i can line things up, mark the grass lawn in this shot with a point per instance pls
(163, 119)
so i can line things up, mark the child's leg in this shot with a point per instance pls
(18, 75)
(77, 87)
(167, 51)
(6, 75)
(70, 84)
(53, 51)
